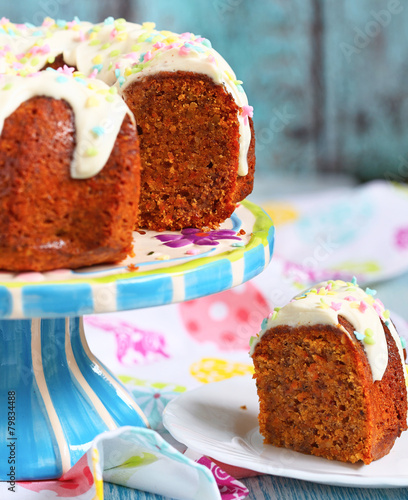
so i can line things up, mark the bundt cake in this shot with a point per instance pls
(331, 375)
(193, 120)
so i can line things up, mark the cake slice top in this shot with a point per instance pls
(325, 302)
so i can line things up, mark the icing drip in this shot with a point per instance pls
(98, 111)
(324, 303)
(118, 53)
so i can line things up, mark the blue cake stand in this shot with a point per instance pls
(55, 395)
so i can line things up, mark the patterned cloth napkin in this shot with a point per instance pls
(160, 353)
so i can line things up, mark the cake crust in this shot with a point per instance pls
(48, 219)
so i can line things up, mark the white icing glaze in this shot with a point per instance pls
(118, 52)
(324, 303)
(92, 111)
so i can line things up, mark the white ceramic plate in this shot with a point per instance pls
(220, 420)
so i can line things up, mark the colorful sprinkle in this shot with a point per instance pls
(370, 291)
(359, 336)
(193, 251)
(336, 306)
(362, 307)
(98, 131)
(91, 152)
(323, 304)
(247, 111)
(92, 101)
(252, 340)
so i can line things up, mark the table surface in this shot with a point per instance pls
(279, 488)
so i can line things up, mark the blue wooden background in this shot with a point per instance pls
(327, 78)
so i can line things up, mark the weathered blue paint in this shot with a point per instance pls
(326, 77)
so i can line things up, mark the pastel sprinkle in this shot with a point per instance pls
(97, 59)
(7, 86)
(91, 152)
(193, 251)
(184, 51)
(362, 307)
(354, 280)
(403, 342)
(98, 131)
(149, 26)
(370, 291)
(377, 308)
(92, 101)
(207, 43)
(386, 314)
(369, 332)
(336, 306)
(369, 340)
(323, 304)
(350, 298)
(61, 79)
(247, 111)
(387, 322)
(359, 336)
(264, 323)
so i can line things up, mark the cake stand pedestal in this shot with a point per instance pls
(56, 397)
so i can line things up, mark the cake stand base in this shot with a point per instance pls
(56, 397)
